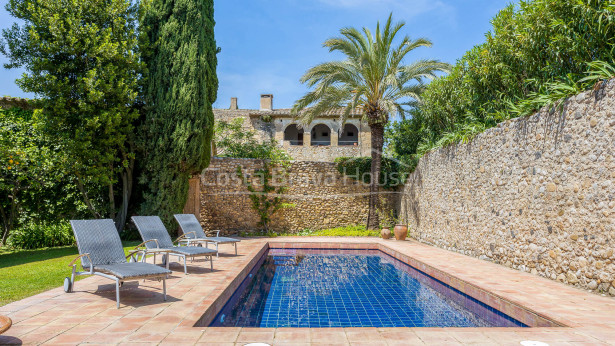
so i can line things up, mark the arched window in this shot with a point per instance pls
(293, 134)
(349, 136)
(321, 135)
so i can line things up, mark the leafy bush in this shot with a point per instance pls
(40, 235)
(392, 172)
(35, 183)
(345, 231)
(232, 140)
(536, 53)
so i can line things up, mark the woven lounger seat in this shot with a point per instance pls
(192, 250)
(194, 233)
(135, 270)
(221, 240)
(157, 238)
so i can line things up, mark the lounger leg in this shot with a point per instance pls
(185, 268)
(164, 289)
(117, 292)
(217, 250)
(211, 262)
(235, 248)
(72, 279)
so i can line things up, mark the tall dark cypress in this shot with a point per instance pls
(180, 86)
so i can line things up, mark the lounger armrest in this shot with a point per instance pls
(141, 248)
(212, 231)
(145, 242)
(74, 262)
(183, 236)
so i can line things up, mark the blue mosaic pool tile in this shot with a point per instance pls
(307, 288)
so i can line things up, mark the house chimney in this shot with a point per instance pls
(266, 102)
(233, 103)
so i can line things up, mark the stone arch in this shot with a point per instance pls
(293, 134)
(349, 135)
(321, 135)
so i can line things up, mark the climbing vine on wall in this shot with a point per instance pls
(267, 192)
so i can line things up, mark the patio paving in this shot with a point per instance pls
(89, 315)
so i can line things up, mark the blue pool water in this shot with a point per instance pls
(349, 288)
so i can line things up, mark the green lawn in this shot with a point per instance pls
(24, 273)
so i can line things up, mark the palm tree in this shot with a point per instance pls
(373, 79)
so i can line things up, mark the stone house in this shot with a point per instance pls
(323, 140)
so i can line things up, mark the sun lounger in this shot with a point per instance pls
(193, 232)
(152, 228)
(102, 254)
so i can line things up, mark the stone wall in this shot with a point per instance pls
(536, 194)
(322, 198)
(8, 102)
(323, 153)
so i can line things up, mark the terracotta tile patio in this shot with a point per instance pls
(89, 314)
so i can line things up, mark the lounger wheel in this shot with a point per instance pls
(68, 285)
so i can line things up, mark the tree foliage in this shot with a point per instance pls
(536, 52)
(232, 140)
(374, 78)
(179, 88)
(81, 60)
(34, 184)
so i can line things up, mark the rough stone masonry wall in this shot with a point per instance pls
(536, 194)
(322, 198)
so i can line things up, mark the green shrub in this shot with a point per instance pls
(232, 140)
(536, 53)
(344, 231)
(392, 172)
(40, 235)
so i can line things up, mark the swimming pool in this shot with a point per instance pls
(349, 288)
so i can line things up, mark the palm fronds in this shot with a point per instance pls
(372, 78)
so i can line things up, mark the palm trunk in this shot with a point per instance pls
(377, 132)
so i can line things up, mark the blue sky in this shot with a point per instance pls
(268, 44)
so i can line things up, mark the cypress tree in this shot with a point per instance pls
(179, 88)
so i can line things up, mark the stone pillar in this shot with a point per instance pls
(193, 203)
(307, 139)
(334, 138)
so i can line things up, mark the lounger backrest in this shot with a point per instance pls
(189, 223)
(100, 239)
(151, 227)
